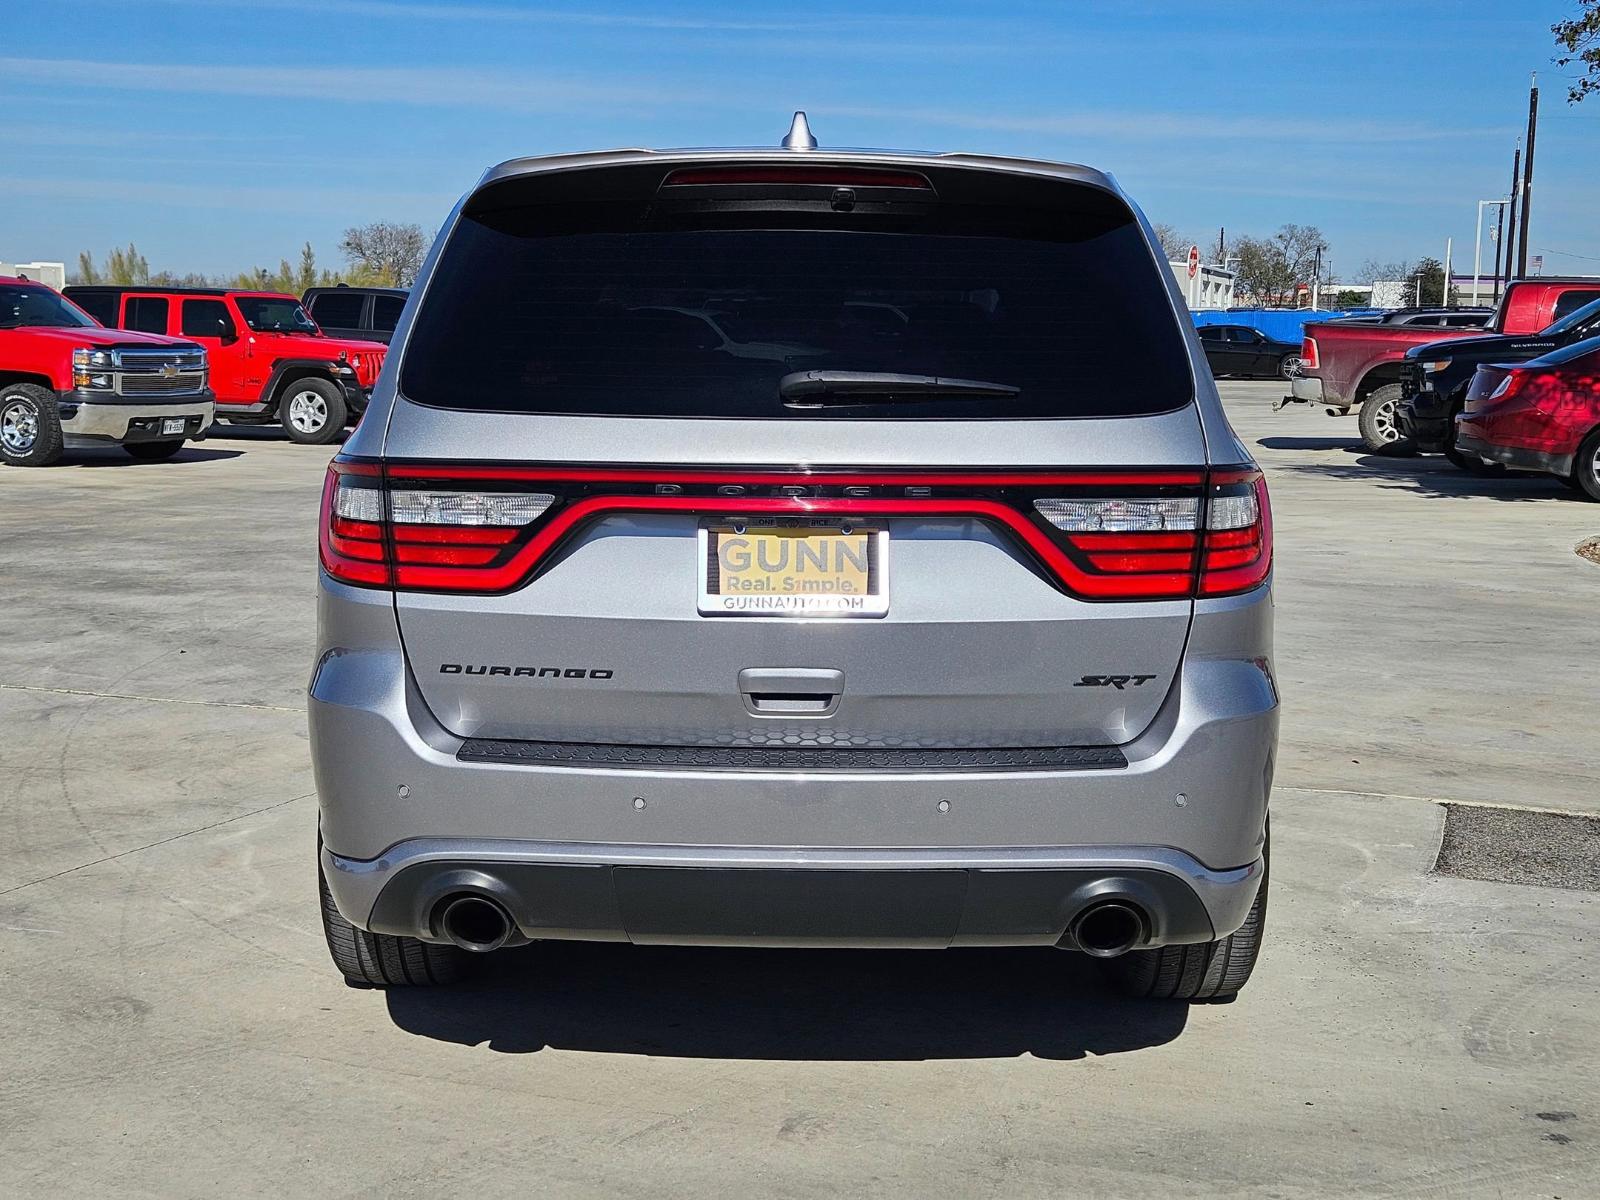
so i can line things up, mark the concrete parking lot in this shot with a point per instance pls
(170, 1024)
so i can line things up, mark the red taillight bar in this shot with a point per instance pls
(1308, 353)
(1174, 564)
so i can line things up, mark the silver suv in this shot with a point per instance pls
(796, 548)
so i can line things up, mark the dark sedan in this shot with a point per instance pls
(1240, 350)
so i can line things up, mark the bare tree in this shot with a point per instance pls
(1173, 244)
(385, 253)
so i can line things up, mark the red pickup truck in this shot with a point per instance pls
(1354, 364)
(66, 381)
(269, 360)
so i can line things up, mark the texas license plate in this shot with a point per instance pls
(793, 567)
(172, 425)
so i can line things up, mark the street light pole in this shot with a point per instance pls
(1477, 249)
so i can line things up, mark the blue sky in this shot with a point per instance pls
(221, 135)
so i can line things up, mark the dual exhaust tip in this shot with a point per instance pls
(1109, 928)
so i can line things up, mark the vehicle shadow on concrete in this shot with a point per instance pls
(1310, 443)
(1436, 477)
(788, 1004)
(117, 458)
(270, 432)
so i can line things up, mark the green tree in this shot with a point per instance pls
(1579, 38)
(1431, 292)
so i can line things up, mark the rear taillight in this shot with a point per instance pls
(1308, 354)
(1237, 554)
(1097, 535)
(1509, 386)
(1146, 547)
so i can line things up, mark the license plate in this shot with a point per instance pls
(793, 567)
(172, 425)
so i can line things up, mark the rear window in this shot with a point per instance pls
(386, 312)
(341, 310)
(622, 310)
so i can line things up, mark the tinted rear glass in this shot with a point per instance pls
(632, 313)
(339, 309)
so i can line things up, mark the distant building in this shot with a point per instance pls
(51, 274)
(1212, 287)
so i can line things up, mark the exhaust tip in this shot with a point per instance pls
(1109, 928)
(475, 923)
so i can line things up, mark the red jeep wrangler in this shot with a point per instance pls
(269, 359)
(65, 381)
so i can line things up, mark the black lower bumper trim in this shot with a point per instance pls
(789, 907)
(793, 758)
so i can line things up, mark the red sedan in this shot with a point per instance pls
(1541, 415)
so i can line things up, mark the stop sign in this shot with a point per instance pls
(1194, 261)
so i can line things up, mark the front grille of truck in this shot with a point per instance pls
(160, 372)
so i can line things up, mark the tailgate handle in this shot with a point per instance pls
(790, 691)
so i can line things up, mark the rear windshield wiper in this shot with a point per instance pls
(830, 389)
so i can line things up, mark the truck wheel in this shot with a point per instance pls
(1289, 366)
(1380, 430)
(1586, 466)
(312, 411)
(152, 451)
(30, 426)
(380, 959)
(1205, 971)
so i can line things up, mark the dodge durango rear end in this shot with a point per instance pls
(830, 549)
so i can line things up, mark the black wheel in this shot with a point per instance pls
(1205, 971)
(1586, 466)
(312, 411)
(1380, 430)
(1289, 366)
(382, 960)
(152, 451)
(30, 427)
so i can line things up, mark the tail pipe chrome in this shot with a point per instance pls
(1108, 928)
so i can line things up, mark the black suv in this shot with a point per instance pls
(367, 313)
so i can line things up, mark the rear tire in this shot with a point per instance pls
(382, 960)
(1204, 971)
(30, 426)
(312, 411)
(1586, 466)
(152, 451)
(1380, 431)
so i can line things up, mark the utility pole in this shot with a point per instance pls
(1316, 279)
(1222, 244)
(1527, 176)
(1511, 213)
(1444, 291)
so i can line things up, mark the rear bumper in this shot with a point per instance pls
(1303, 389)
(100, 421)
(988, 856)
(1520, 458)
(681, 895)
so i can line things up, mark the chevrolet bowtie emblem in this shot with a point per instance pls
(169, 371)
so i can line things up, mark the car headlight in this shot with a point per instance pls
(88, 368)
(1436, 365)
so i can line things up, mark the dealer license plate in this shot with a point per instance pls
(793, 567)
